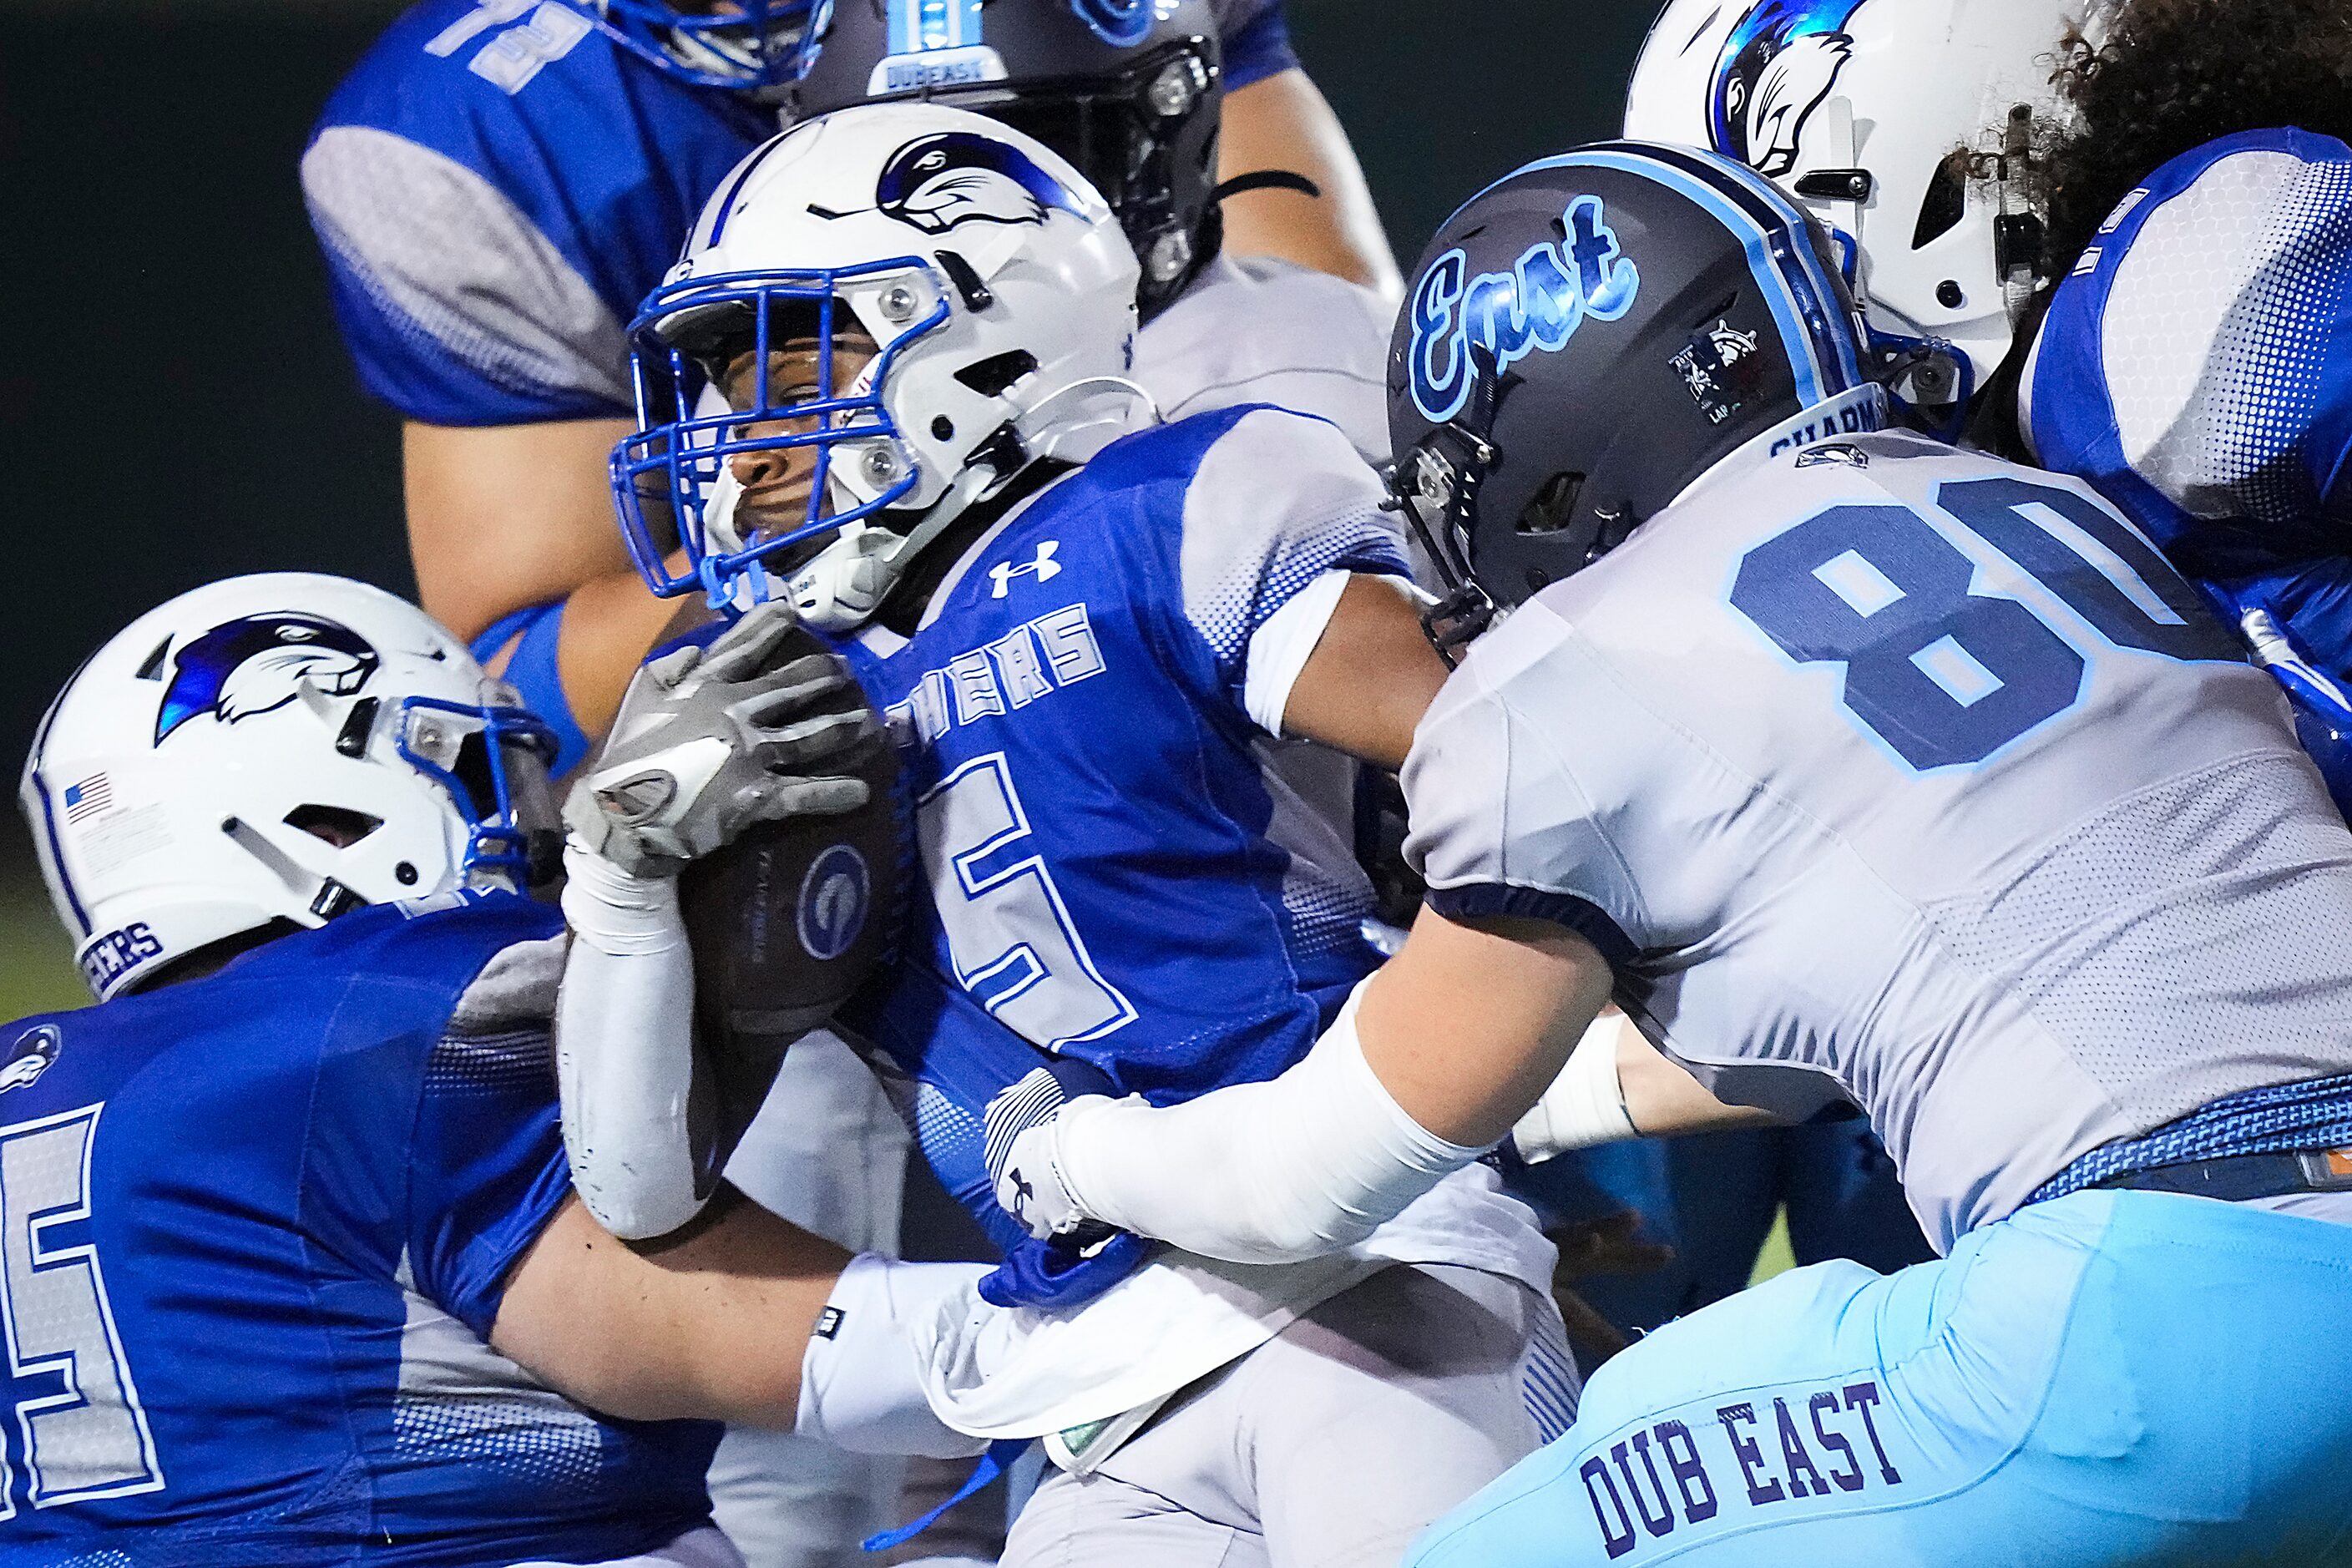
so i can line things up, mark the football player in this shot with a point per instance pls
(499, 183)
(292, 1270)
(2182, 378)
(2192, 365)
(1091, 631)
(1852, 764)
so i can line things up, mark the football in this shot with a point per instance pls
(792, 916)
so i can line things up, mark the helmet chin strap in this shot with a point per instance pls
(848, 579)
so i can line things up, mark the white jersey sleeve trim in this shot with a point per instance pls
(1280, 647)
(445, 254)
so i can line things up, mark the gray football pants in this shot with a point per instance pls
(1332, 1445)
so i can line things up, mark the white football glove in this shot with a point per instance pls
(1022, 1126)
(711, 741)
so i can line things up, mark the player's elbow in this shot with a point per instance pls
(636, 1211)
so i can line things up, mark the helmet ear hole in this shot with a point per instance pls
(1947, 201)
(990, 376)
(338, 826)
(1553, 506)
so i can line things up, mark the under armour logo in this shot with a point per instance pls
(1045, 568)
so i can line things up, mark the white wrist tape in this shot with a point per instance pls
(1585, 1104)
(624, 1051)
(1311, 1162)
(615, 912)
(861, 1382)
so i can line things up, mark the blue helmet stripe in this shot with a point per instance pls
(1771, 206)
(1796, 340)
(718, 224)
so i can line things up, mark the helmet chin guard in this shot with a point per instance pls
(279, 748)
(998, 294)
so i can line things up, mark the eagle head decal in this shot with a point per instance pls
(246, 666)
(30, 1057)
(957, 177)
(1777, 66)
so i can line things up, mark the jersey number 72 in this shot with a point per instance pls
(1942, 676)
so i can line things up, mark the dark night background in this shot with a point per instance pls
(175, 400)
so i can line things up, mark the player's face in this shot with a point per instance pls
(776, 481)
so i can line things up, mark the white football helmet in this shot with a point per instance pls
(1910, 128)
(279, 747)
(999, 290)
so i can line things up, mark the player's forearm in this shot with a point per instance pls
(512, 534)
(1284, 122)
(626, 1053)
(504, 517)
(1308, 1162)
(1370, 678)
(1428, 1065)
(744, 1317)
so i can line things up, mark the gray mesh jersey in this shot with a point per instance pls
(1906, 774)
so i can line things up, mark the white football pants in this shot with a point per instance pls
(1331, 1447)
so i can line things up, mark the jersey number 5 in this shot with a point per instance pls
(1945, 676)
(1009, 933)
(85, 1433)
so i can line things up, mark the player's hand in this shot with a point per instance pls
(1023, 1124)
(711, 741)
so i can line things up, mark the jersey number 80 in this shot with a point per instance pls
(1942, 676)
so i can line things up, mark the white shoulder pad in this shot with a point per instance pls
(1262, 331)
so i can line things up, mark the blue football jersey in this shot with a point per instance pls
(2196, 366)
(1114, 867)
(253, 1229)
(498, 186)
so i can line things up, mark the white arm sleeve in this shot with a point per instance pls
(624, 1050)
(1308, 1162)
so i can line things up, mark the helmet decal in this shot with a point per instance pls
(957, 177)
(258, 663)
(1718, 366)
(1121, 24)
(1777, 65)
(835, 894)
(30, 1056)
(1537, 305)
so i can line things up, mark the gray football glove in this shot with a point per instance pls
(711, 741)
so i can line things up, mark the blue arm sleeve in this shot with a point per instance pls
(487, 1170)
(1257, 42)
(533, 672)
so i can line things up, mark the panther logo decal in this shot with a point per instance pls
(957, 177)
(256, 664)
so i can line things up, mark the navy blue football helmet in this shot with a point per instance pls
(1588, 336)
